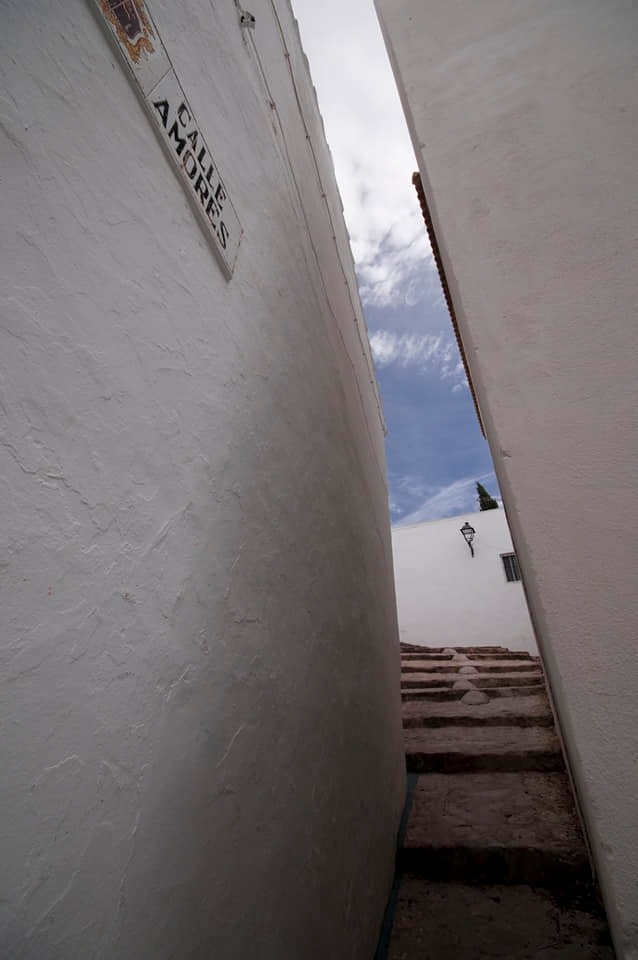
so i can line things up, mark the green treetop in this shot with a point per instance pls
(486, 501)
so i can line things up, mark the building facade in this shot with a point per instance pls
(201, 751)
(447, 596)
(524, 122)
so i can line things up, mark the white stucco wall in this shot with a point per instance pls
(201, 746)
(446, 597)
(524, 117)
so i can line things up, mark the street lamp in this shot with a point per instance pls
(468, 534)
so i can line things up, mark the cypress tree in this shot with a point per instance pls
(486, 502)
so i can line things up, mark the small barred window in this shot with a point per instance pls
(512, 569)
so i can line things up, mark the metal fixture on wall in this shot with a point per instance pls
(246, 19)
(468, 534)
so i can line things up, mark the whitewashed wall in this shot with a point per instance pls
(446, 597)
(524, 117)
(201, 747)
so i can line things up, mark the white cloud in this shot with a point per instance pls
(448, 501)
(427, 352)
(392, 272)
(404, 492)
(371, 148)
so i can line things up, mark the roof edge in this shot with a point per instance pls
(425, 210)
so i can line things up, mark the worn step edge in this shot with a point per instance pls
(476, 720)
(510, 655)
(477, 653)
(482, 648)
(433, 657)
(494, 692)
(495, 681)
(444, 683)
(519, 680)
(472, 657)
(453, 668)
(433, 694)
(507, 865)
(457, 761)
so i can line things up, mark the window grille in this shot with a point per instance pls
(512, 569)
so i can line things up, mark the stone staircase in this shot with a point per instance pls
(491, 862)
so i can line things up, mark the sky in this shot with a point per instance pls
(434, 447)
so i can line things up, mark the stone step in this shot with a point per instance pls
(527, 712)
(508, 655)
(446, 653)
(434, 657)
(527, 691)
(505, 828)
(442, 921)
(505, 679)
(483, 666)
(466, 749)
(444, 693)
(428, 658)
(426, 680)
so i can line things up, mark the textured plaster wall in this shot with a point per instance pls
(201, 746)
(524, 117)
(446, 597)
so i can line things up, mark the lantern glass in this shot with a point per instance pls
(468, 532)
